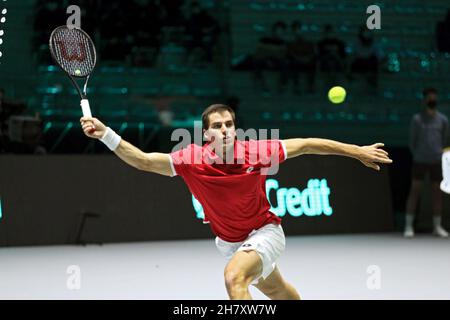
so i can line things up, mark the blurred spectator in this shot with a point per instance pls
(443, 34)
(202, 31)
(173, 22)
(172, 15)
(49, 15)
(89, 13)
(3, 141)
(18, 133)
(114, 30)
(234, 103)
(8, 108)
(270, 54)
(428, 137)
(145, 27)
(332, 57)
(367, 56)
(302, 58)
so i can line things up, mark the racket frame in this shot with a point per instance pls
(82, 93)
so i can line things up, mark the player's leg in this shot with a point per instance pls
(276, 288)
(436, 196)
(241, 270)
(418, 174)
(254, 258)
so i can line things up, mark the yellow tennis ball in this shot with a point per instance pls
(77, 72)
(337, 94)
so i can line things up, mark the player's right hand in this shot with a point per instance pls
(373, 154)
(92, 127)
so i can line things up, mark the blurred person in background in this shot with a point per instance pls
(270, 54)
(114, 32)
(3, 140)
(172, 13)
(234, 102)
(146, 28)
(443, 34)
(367, 56)
(202, 31)
(19, 131)
(302, 58)
(332, 57)
(428, 137)
(48, 15)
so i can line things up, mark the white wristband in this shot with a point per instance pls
(111, 139)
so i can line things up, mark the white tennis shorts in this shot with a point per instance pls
(269, 242)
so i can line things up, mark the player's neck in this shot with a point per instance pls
(226, 154)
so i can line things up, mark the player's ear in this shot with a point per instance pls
(205, 135)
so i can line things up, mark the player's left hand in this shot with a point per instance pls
(373, 154)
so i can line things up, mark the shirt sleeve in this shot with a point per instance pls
(283, 148)
(181, 160)
(272, 151)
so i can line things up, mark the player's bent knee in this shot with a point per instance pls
(235, 278)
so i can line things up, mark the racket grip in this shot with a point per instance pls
(85, 108)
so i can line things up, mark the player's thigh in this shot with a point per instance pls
(243, 266)
(272, 284)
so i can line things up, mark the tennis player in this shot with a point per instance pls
(227, 176)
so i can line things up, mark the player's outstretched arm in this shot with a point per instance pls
(368, 155)
(152, 162)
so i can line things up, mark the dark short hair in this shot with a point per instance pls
(428, 90)
(213, 109)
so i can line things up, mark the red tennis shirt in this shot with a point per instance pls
(233, 195)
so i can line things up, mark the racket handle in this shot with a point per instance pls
(85, 108)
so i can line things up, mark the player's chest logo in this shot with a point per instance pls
(250, 169)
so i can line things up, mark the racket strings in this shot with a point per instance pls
(74, 51)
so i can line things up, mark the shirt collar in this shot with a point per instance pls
(211, 155)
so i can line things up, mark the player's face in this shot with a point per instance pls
(221, 131)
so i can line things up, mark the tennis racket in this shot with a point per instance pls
(74, 52)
